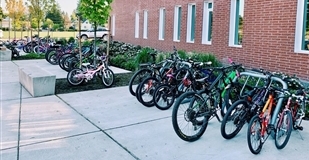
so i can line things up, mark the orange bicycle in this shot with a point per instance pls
(260, 125)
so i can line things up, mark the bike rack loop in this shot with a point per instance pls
(259, 75)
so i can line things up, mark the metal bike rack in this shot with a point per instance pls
(261, 76)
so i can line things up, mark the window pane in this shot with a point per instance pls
(179, 23)
(210, 26)
(193, 23)
(305, 42)
(239, 22)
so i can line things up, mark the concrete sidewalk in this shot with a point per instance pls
(110, 124)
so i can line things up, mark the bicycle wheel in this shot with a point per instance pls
(163, 97)
(188, 116)
(231, 95)
(108, 77)
(75, 77)
(138, 78)
(254, 138)
(283, 129)
(146, 90)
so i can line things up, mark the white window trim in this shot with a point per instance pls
(206, 26)
(136, 25)
(189, 22)
(161, 23)
(145, 29)
(176, 22)
(232, 25)
(113, 25)
(299, 28)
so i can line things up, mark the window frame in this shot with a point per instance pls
(145, 26)
(300, 27)
(162, 16)
(136, 27)
(207, 26)
(177, 23)
(191, 26)
(234, 23)
(113, 25)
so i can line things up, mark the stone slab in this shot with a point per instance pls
(37, 81)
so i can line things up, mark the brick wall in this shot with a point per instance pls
(268, 31)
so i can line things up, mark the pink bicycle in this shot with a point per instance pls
(78, 76)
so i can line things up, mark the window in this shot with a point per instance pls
(236, 23)
(301, 43)
(191, 23)
(145, 30)
(136, 25)
(161, 23)
(207, 22)
(177, 23)
(113, 25)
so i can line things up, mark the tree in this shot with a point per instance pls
(38, 10)
(16, 10)
(96, 11)
(54, 14)
(66, 20)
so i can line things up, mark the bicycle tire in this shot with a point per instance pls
(283, 130)
(231, 95)
(236, 116)
(73, 79)
(254, 135)
(163, 97)
(138, 78)
(145, 93)
(108, 77)
(187, 110)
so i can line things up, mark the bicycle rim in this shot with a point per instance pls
(234, 120)
(189, 123)
(108, 77)
(163, 97)
(254, 138)
(283, 129)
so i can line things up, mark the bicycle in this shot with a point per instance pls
(260, 126)
(77, 76)
(193, 110)
(150, 69)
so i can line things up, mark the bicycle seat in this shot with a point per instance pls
(85, 64)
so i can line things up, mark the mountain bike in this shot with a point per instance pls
(193, 110)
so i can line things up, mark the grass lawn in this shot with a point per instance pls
(19, 34)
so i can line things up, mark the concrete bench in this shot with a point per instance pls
(38, 82)
(5, 54)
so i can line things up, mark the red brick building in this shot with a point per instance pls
(257, 33)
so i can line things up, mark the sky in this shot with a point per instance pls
(65, 5)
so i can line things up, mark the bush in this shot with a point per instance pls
(143, 56)
(30, 56)
(71, 40)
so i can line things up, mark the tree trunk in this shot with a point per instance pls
(38, 28)
(94, 44)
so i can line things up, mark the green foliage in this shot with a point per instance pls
(71, 40)
(206, 57)
(86, 43)
(63, 41)
(96, 11)
(30, 56)
(143, 56)
(182, 54)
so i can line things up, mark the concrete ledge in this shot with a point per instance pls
(5, 54)
(38, 82)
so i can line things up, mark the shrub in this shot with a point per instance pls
(182, 54)
(71, 40)
(30, 56)
(143, 55)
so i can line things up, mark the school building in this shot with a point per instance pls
(268, 34)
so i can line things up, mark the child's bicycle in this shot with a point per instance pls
(78, 76)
